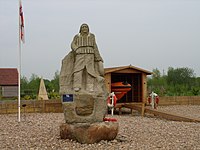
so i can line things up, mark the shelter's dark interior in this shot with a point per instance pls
(134, 95)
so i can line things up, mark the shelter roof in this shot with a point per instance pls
(115, 69)
(8, 76)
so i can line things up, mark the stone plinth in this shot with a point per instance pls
(89, 132)
(85, 108)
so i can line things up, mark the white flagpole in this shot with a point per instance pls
(19, 66)
(19, 82)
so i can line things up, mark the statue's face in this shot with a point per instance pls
(84, 29)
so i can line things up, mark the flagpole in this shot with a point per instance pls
(19, 68)
(19, 82)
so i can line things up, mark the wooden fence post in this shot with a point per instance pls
(143, 109)
(43, 106)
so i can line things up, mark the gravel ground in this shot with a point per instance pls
(41, 131)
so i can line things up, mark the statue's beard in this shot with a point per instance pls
(85, 32)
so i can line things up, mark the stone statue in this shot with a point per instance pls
(88, 63)
(82, 76)
(83, 92)
(84, 70)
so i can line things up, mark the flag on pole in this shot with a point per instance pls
(21, 38)
(21, 21)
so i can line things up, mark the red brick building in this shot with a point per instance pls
(8, 82)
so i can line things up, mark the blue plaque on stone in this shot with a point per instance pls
(67, 98)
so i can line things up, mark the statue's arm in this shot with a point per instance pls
(96, 52)
(98, 59)
(73, 44)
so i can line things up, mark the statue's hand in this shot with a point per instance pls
(74, 48)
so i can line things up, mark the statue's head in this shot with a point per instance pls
(84, 29)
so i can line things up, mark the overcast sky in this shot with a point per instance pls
(144, 33)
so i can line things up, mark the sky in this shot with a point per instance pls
(147, 34)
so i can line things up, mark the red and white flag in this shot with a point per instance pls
(21, 23)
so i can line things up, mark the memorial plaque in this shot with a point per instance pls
(67, 98)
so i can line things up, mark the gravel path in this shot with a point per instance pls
(41, 131)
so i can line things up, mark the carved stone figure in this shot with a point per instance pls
(82, 75)
(82, 69)
(86, 55)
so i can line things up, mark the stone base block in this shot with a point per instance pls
(89, 132)
(85, 108)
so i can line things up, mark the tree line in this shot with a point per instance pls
(177, 82)
(30, 88)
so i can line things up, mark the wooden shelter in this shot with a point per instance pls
(135, 76)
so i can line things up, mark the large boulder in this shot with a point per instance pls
(89, 132)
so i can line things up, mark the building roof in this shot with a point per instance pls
(8, 76)
(114, 69)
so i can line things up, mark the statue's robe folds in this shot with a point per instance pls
(68, 69)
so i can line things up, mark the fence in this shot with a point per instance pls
(55, 106)
(179, 100)
(31, 106)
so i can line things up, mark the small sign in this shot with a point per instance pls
(67, 98)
